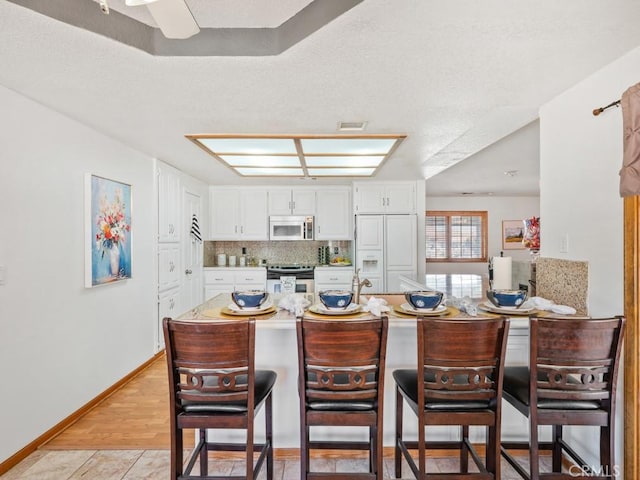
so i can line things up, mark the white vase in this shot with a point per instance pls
(114, 260)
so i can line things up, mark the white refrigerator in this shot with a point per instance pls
(386, 248)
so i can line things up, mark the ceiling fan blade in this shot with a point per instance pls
(174, 18)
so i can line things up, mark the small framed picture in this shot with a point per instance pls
(512, 235)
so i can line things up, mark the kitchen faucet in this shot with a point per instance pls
(357, 285)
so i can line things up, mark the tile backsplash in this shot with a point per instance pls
(303, 251)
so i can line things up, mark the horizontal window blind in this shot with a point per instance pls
(454, 236)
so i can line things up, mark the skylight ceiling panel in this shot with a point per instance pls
(250, 146)
(270, 172)
(261, 160)
(354, 146)
(344, 161)
(340, 172)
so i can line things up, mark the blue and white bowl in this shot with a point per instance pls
(507, 298)
(424, 299)
(249, 298)
(336, 299)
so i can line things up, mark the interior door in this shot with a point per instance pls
(192, 252)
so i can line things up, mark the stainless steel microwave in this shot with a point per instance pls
(290, 227)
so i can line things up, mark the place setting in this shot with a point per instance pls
(507, 302)
(246, 303)
(424, 303)
(336, 303)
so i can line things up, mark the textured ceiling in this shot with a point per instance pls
(456, 77)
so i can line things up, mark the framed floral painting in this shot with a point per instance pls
(108, 230)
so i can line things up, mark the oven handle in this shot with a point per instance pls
(289, 272)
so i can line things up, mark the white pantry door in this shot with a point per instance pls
(192, 251)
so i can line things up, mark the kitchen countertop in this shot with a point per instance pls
(210, 310)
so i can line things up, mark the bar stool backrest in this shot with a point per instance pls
(342, 360)
(575, 359)
(211, 363)
(461, 359)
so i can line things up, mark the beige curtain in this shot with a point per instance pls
(630, 172)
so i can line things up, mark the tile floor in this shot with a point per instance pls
(154, 465)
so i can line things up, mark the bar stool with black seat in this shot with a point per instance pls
(458, 382)
(213, 384)
(571, 380)
(341, 383)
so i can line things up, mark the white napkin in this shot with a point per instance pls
(295, 304)
(540, 303)
(464, 304)
(376, 306)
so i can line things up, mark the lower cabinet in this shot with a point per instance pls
(168, 306)
(332, 278)
(226, 280)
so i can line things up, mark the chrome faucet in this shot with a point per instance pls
(357, 284)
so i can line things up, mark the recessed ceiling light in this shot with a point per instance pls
(300, 155)
(351, 126)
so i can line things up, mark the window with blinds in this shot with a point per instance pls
(454, 236)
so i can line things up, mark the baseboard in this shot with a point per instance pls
(57, 429)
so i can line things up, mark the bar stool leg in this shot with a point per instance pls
(606, 447)
(249, 452)
(557, 448)
(492, 458)
(204, 459)
(398, 453)
(464, 450)
(268, 415)
(534, 466)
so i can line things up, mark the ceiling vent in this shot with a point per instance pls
(351, 126)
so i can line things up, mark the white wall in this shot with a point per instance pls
(62, 344)
(580, 159)
(499, 209)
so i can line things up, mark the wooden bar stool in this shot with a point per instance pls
(458, 382)
(341, 383)
(571, 380)
(213, 385)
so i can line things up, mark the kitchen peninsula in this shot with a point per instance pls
(276, 349)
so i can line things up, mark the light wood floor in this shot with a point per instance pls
(134, 417)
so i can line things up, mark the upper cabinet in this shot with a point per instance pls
(238, 213)
(386, 197)
(168, 203)
(334, 215)
(288, 201)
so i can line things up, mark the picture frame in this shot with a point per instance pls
(512, 235)
(107, 230)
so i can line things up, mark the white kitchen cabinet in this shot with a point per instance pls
(296, 201)
(168, 266)
(169, 185)
(250, 279)
(228, 279)
(370, 232)
(334, 216)
(332, 278)
(168, 306)
(401, 243)
(384, 197)
(386, 248)
(238, 213)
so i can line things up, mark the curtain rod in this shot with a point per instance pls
(598, 111)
